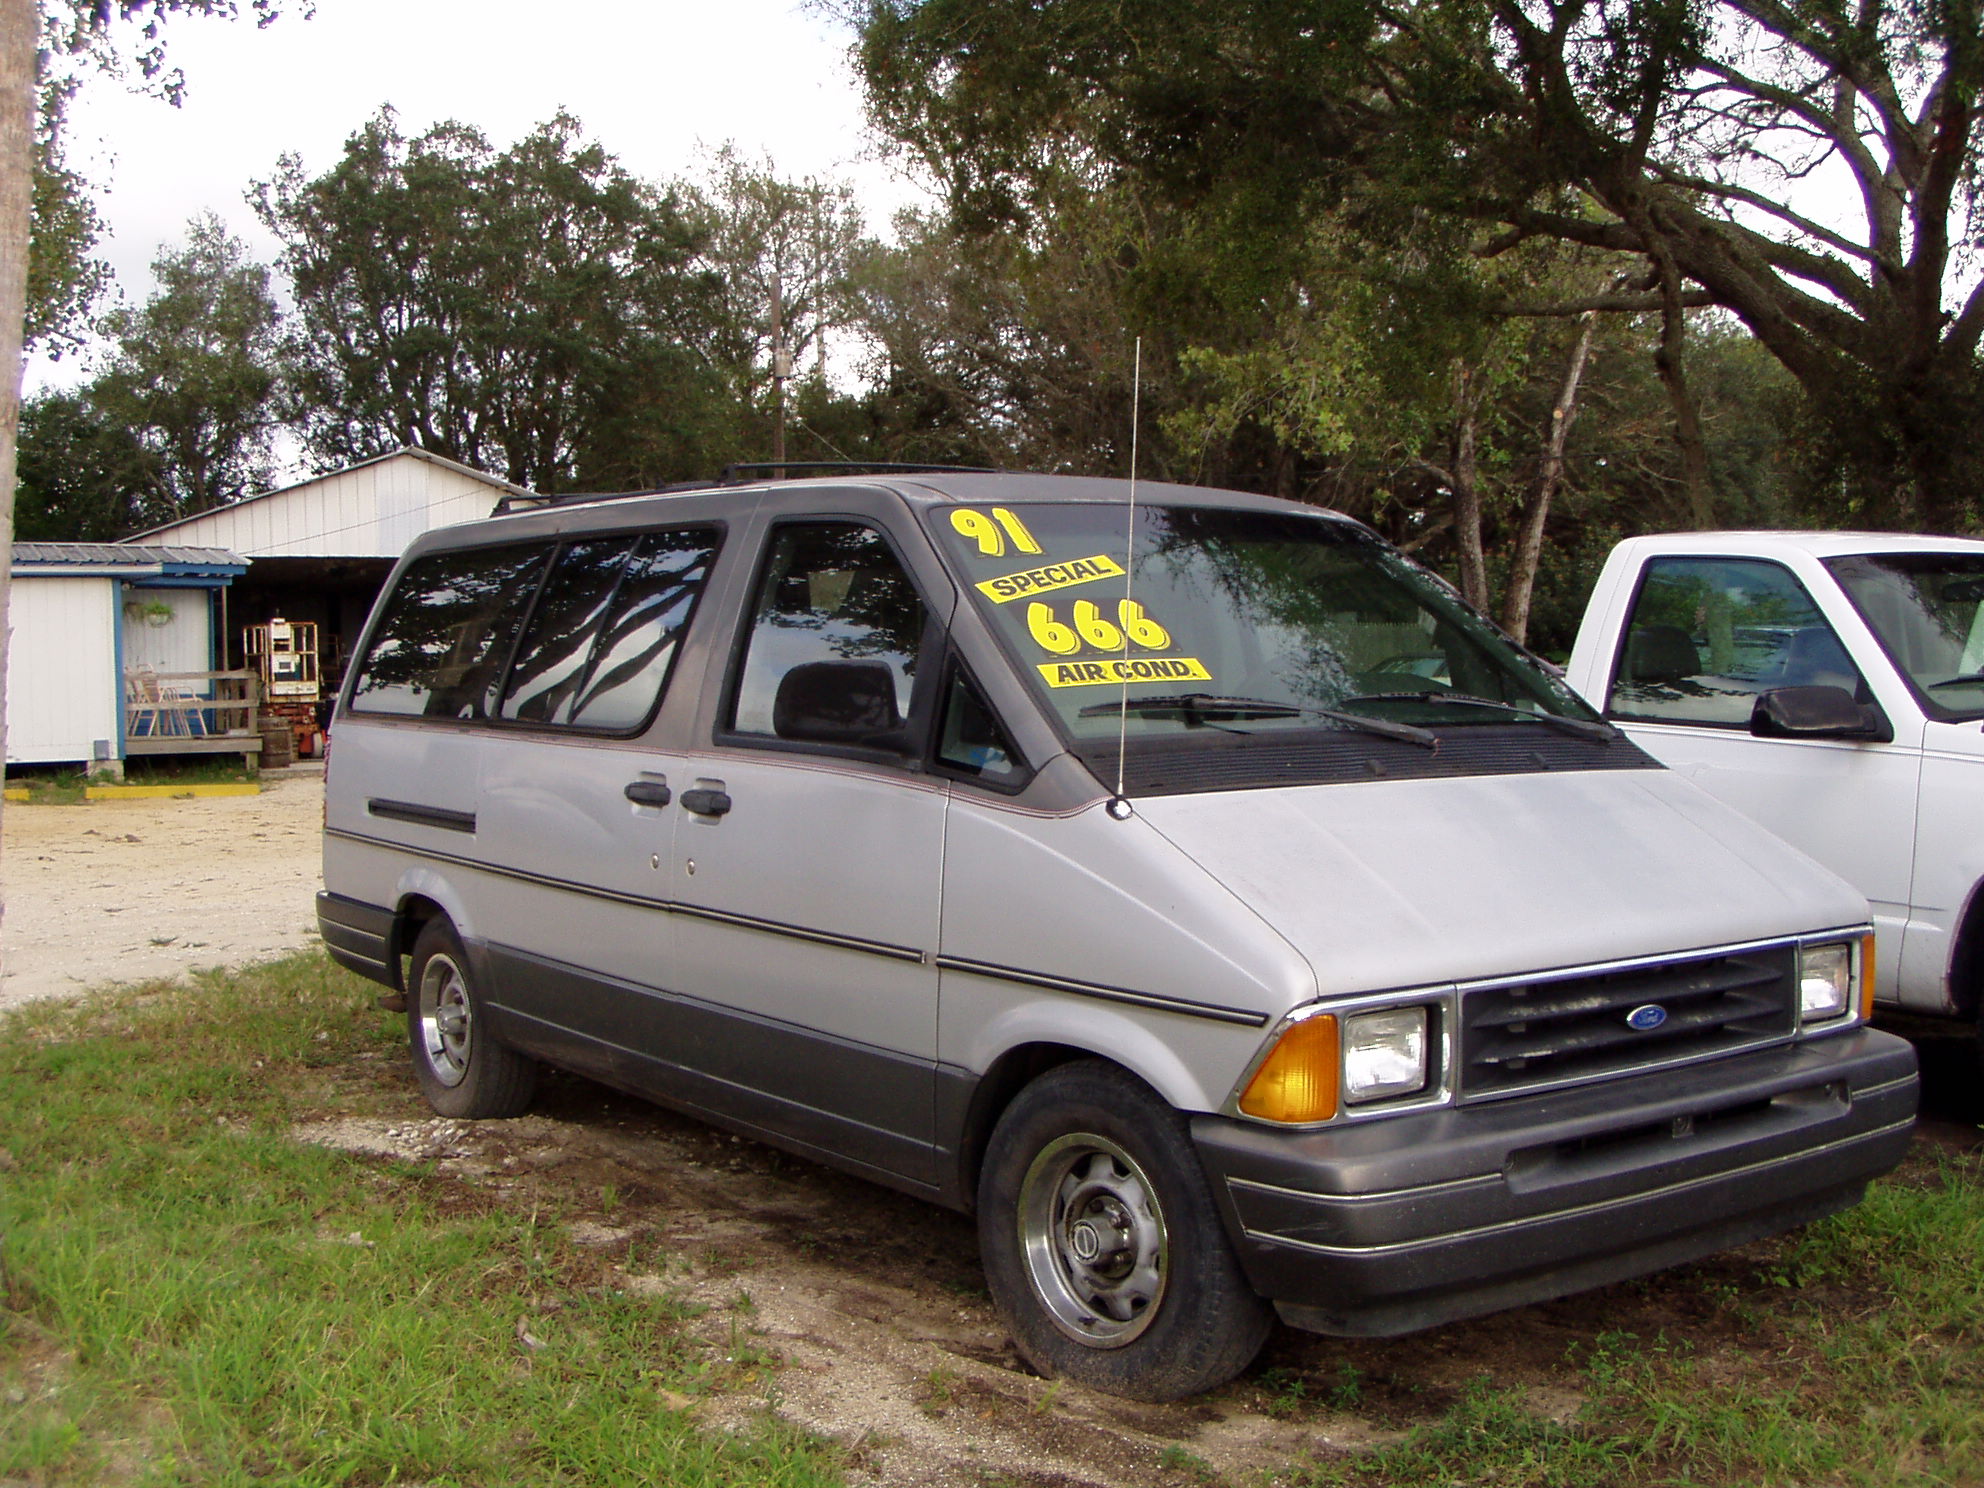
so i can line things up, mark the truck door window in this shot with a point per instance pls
(836, 627)
(1708, 636)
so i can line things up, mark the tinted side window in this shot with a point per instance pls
(835, 629)
(1708, 636)
(446, 633)
(659, 587)
(558, 641)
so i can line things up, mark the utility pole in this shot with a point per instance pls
(781, 370)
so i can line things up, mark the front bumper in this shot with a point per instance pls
(1383, 1227)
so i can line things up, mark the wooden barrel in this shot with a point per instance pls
(278, 744)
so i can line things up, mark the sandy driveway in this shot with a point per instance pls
(126, 890)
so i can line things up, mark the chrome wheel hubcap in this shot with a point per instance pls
(446, 1023)
(1093, 1239)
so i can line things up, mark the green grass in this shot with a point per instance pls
(49, 785)
(188, 1295)
(185, 769)
(63, 785)
(1855, 1358)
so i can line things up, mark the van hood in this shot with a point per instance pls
(1415, 883)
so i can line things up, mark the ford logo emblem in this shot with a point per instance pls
(1647, 1018)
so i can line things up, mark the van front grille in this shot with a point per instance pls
(1525, 1035)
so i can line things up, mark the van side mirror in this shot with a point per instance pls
(1817, 713)
(840, 702)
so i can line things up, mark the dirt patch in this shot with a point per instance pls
(874, 1309)
(124, 891)
(872, 1303)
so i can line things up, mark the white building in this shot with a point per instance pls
(94, 627)
(320, 550)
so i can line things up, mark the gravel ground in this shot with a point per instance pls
(129, 890)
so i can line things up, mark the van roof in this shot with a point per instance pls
(938, 487)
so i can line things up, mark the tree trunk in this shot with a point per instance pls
(1670, 362)
(19, 32)
(1465, 469)
(1549, 475)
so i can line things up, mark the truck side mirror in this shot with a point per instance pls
(1817, 713)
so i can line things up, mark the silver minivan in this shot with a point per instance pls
(1184, 881)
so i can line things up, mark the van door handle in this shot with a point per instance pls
(648, 793)
(706, 802)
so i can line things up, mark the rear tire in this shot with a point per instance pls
(1101, 1243)
(462, 1070)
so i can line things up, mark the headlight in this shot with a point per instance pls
(1825, 981)
(1327, 1060)
(1384, 1054)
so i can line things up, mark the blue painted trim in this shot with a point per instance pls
(117, 651)
(183, 581)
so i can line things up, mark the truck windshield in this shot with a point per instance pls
(1927, 609)
(1241, 621)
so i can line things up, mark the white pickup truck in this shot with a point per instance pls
(1831, 686)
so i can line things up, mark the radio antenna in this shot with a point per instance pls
(1129, 568)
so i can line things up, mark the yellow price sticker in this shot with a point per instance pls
(992, 533)
(1049, 577)
(1118, 671)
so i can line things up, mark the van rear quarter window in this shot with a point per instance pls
(580, 635)
(600, 641)
(439, 648)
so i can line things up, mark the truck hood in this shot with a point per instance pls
(1415, 883)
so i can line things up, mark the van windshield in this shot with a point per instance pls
(1928, 611)
(1241, 621)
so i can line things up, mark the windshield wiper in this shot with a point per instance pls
(1206, 707)
(1604, 733)
(1966, 680)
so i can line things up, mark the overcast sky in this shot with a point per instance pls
(657, 82)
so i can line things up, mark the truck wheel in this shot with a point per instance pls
(462, 1070)
(1101, 1243)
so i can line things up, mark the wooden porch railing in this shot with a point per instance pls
(191, 712)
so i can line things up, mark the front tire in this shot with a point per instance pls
(1101, 1243)
(462, 1070)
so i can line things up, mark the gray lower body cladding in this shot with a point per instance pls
(358, 936)
(1385, 1227)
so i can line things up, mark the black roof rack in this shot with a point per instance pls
(734, 475)
(537, 502)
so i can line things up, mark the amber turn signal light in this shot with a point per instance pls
(1866, 978)
(1297, 1081)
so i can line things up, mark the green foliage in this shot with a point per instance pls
(193, 374)
(761, 233)
(64, 278)
(536, 311)
(116, 37)
(83, 477)
(179, 416)
(1674, 136)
